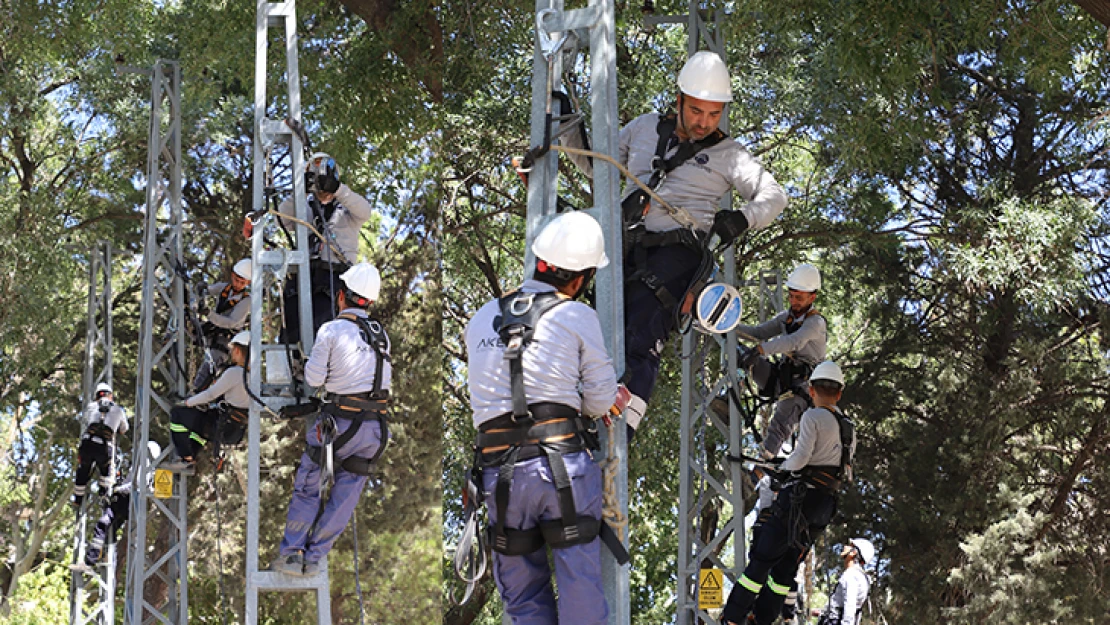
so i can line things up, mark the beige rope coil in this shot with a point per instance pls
(611, 509)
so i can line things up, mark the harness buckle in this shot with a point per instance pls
(527, 299)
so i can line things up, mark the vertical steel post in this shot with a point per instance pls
(267, 133)
(599, 19)
(161, 351)
(703, 485)
(101, 582)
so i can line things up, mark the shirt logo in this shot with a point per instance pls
(701, 159)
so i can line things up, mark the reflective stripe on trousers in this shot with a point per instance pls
(525, 581)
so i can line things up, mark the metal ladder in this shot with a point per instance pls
(101, 582)
(268, 264)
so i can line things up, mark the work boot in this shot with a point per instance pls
(77, 501)
(179, 464)
(311, 568)
(290, 565)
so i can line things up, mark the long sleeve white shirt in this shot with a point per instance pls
(818, 442)
(850, 595)
(352, 211)
(566, 362)
(115, 418)
(342, 362)
(229, 386)
(699, 184)
(806, 344)
(236, 317)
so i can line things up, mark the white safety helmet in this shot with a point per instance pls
(805, 277)
(103, 387)
(572, 241)
(828, 371)
(705, 77)
(242, 338)
(244, 269)
(363, 280)
(154, 449)
(718, 308)
(864, 548)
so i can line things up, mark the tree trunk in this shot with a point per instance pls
(1098, 9)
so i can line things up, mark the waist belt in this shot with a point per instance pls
(680, 236)
(236, 414)
(824, 478)
(335, 266)
(100, 431)
(529, 438)
(359, 409)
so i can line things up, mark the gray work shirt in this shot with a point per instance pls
(236, 317)
(699, 184)
(115, 418)
(229, 386)
(849, 596)
(818, 442)
(342, 362)
(351, 212)
(566, 362)
(806, 344)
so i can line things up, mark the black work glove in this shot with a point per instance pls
(729, 225)
(749, 358)
(328, 182)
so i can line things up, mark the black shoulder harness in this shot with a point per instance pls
(520, 312)
(373, 334)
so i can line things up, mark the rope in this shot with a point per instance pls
(219, 546)
(311, 228)
(358, 582)
(681, 215)
(611, 510)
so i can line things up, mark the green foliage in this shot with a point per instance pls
(43, 597)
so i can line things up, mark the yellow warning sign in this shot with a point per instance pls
(163, 483)
(710, 589)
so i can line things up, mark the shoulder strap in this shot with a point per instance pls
(847, 433)
(373, 334)
(520, 312)
(662, 166)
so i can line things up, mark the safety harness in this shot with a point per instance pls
(637, 240)
(830, 478)
(789, 372)
(218, 337)
(359, 408)
(531, 430)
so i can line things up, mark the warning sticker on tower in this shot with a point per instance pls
(710, 589)
(163, 483)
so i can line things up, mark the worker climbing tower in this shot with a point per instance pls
(271, 130)
(157, 560)
(710, 486)
(92, 593)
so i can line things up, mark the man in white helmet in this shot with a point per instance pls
(847, 601)
(219, 412)
(222, 321)
(117, 510)
(350, 360)
(537, 370)
(799, 334)
(101, 420)
(337, 213)
(811, 477)
(691, 164)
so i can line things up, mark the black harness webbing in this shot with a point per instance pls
(519, 314)
(545, 428)
(637, 241)
(830, 478)
(371, 406)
